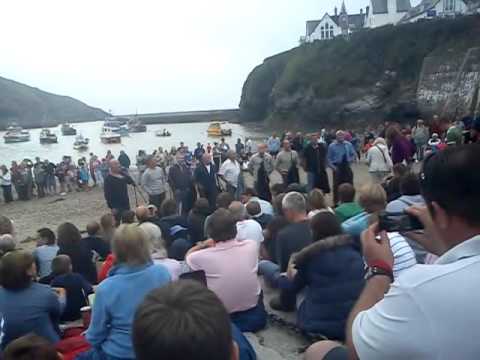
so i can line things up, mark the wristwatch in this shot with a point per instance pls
(375, 270)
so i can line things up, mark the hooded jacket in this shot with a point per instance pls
(332, 273)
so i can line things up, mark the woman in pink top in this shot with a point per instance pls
(231, 270)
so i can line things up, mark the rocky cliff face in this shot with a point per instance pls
(395, 73)
(31, 107)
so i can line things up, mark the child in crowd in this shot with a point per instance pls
(46, 250)
(76, 287)
(95, 242)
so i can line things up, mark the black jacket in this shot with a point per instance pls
(206, 180)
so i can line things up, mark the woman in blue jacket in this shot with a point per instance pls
(118, 296)
(331, 272)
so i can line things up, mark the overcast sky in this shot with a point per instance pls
(158, 55)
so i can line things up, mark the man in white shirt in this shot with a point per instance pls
(429, 311)
(230, 171)
(247, 229)
(251, 195)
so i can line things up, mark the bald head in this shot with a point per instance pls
(206, 159)
(142, 213)
(115, 166)
(238, 211)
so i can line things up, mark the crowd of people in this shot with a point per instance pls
(180, 276)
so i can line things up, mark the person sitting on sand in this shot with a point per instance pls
(46, 250)
(348, 207)
(95, 242)
(75, 285)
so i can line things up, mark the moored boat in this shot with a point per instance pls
(136, 126)
(110, 137)
(16, 134)
(68, 130)
(163, 133)
(81, 143)
(215, 129)
(48, 137)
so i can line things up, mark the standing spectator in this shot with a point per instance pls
(230, 172)
(51, 183)
(297, 142)
(71, 244)
(154, 182)
(40, 178)
(181, 182)
(116, 190)
(261, 166)
(91, 168)
(420, 135)
(273, 144)
(45, 252)
(231, 270)
(379, 161)
(26, 306)
(206, 179)
(6, 184)
(315, 163)
(124, 160)
(287, 164)
(199, 151)
(120, 294)
(223, 147)
(141, 165)
(340, 155)
(400, 146)
(239, 147)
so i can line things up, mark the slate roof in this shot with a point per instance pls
(381, 6)
(355, 21)
(421, 8)
(311, 26)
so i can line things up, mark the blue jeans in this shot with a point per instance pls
(251, 320)
(270, 272)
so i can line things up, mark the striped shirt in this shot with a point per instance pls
(403, 255)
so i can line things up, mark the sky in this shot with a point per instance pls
(149, 55)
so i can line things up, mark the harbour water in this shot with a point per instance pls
(189, 133)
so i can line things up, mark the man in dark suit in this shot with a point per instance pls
(206, 179)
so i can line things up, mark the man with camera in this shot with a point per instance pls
(429, 311)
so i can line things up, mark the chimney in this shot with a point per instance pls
(335, 11)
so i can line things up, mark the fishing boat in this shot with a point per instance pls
(163, 133)
(48, 137)
(215, 129)
(116, 127)
(110, 137)
(68, 130)
(16, 134)
(136, 126)
(81, 143)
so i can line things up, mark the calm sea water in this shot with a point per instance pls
(189, 133)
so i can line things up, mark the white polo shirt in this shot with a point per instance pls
(430, 311)
(230, 170)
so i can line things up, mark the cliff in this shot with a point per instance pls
(31, 107)
(395, 73)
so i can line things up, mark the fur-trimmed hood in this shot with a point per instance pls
(329, 243)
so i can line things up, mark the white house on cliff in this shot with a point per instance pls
(429, 9)
(385, 12)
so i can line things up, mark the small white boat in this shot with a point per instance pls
(16, 134)
(81, 143)
(68, 130)
(110, 137)
(47, 137)
(163, 133)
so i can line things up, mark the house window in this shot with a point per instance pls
(449, 5)
(331, 31)
(322, 32)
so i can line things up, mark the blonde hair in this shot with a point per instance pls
(372, 198)
(316, 200)
(131, 246)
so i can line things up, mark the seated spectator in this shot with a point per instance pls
(317, 203)
(31, 347)
(6, 226)
(373, 199)
(410, 196)
(128, 217)
(71, 244)
(76, 287)
(251, 195)
(429, 311)
(255, 212)
(331, 272)
(224, 199)
(196, 220)
(231, 270)
(392, 184)
(45, 252)
(174, 231)
(7, 244)
(107, 224)
(268, 250)
(118, 296)
(26, 306)
(348, 207)
(247, 229)
(153, 232)
(95, 242)
(185, 320)
(291, 239)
